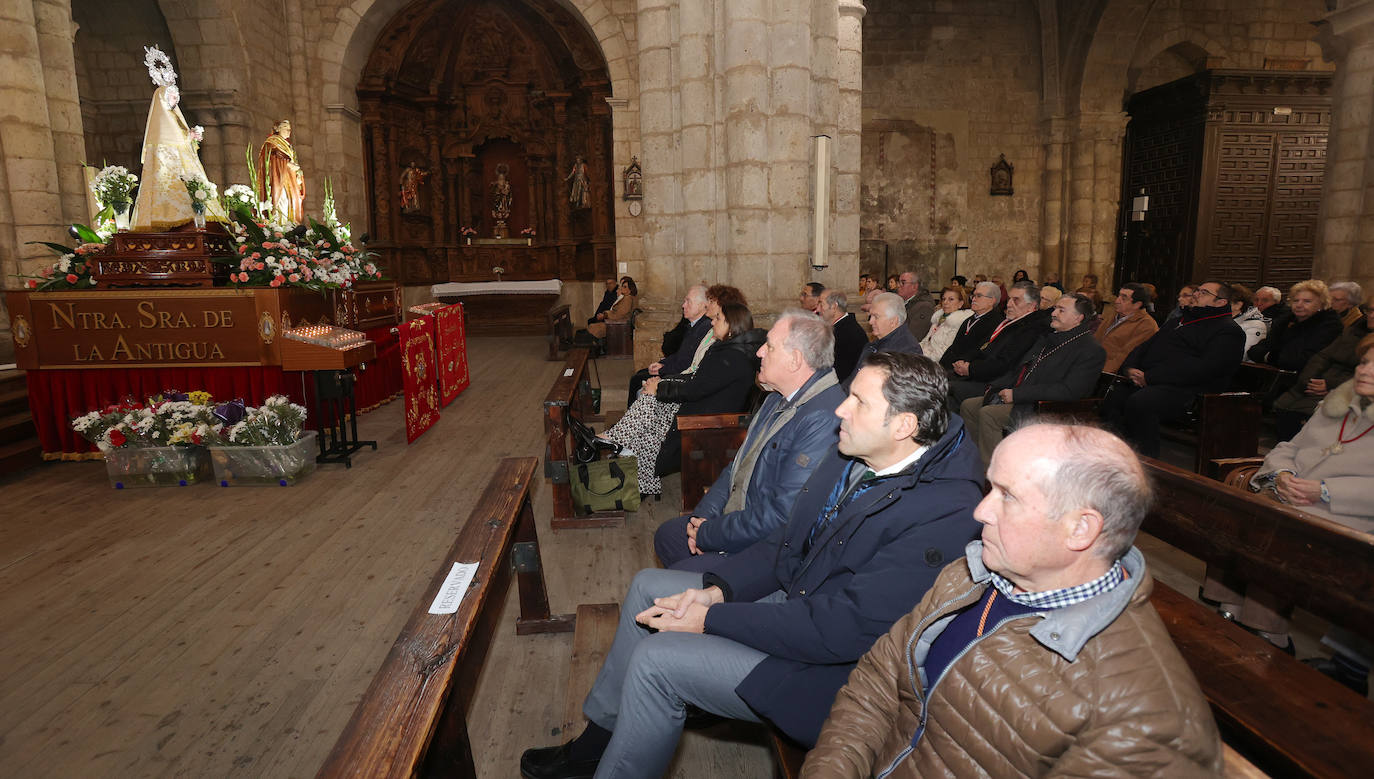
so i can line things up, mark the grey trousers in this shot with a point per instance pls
(985, 424)
(649, 677)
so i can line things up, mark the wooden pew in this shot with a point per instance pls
(1287, 717)
(559, 330)
(569, 395)
(709, 443)
(620, 340)
(412, 719)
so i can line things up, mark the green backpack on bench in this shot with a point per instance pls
(606, 485)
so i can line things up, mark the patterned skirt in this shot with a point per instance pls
(643, 428)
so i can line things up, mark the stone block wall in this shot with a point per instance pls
(948, 87)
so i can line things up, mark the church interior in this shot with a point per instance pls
(513, 156)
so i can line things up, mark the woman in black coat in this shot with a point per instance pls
(720, 384)
(1312, 328)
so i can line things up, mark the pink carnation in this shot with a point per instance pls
(276, 282)
(294, 277)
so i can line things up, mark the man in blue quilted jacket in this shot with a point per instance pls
(773, 631)
(792, 432)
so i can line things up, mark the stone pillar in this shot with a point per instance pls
(1052, 195)
(1094, 191)
(1345, 229)
(731, 94)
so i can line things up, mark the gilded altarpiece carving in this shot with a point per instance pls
(1232, 162)
(488, 97)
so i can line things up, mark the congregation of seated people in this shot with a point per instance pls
(900, 520)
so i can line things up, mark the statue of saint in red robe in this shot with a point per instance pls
(280, 179)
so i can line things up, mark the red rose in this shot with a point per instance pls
(71, 278)
(33, 283)
(117, 438)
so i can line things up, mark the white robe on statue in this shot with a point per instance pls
(163, 202)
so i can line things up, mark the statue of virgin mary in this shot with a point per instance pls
(169, 158)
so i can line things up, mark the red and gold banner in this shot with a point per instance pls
(453, 352)
(418, 369)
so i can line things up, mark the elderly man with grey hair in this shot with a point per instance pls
(850, 338)
(687, 336)
(793, 430)
(1269, 301)
(887, 317)
(1024, 324)
(1039, 651)
(974, 332)
(919, 304)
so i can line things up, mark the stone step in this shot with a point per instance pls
(13, 400)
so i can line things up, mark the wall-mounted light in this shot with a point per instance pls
(820, 204)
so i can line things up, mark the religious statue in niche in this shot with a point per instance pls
(579, 194)
(500, 200)
(281, 181)
(634, 181)
(412, 178)
(1001, 176)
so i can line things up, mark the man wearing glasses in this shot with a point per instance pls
(974, 332)
(1162, 376)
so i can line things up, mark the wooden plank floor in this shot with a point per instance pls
(230, 632)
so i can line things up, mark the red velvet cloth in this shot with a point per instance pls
(453, 352)
(56, 397)
(418, 369)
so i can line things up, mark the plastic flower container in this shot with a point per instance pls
(158, 466)
(265, 466)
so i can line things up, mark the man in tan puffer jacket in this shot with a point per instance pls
(1040, 652)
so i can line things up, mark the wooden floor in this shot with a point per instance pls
(210, 632)
(213, 632)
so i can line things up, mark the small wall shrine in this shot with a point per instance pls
(488, 140)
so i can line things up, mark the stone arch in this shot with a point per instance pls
(346, 47)
(1188, 44)
(1114, 40)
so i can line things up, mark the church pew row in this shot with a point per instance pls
(412, 719)
(570, 395)
(1288, 718)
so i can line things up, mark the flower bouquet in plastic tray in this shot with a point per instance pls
(263, 446)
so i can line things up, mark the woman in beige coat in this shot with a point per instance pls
(619, 312)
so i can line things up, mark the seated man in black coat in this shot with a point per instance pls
(773, 632)
(1006, 343)
(1062, 365)
(698, 325)
(1198, 353)
(850, 338)
(974, 332)
(607, 300)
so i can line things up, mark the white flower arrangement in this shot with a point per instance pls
(240, 197)
(113, 184)
(201, 192)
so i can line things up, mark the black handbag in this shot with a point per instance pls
(606, 485)
(584, 440)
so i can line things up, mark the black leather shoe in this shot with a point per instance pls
(1350, 677)
(554, 763)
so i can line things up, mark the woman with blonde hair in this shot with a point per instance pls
(1311, 328)
(945, 322)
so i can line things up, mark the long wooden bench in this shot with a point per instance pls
(570, 395)
(709, 444)
(1288, 718)
(412, 719)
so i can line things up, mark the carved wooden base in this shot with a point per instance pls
(176, 258)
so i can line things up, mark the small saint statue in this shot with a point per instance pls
(281, 182)
(579, 195)
(411, 180)
(500, 200)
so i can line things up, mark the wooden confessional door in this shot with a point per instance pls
(1233, 163)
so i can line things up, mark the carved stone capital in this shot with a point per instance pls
(853, 8)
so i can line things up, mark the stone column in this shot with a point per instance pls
(1052, 211)
(1094, 191)
(1345, 230)
(844, 260)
